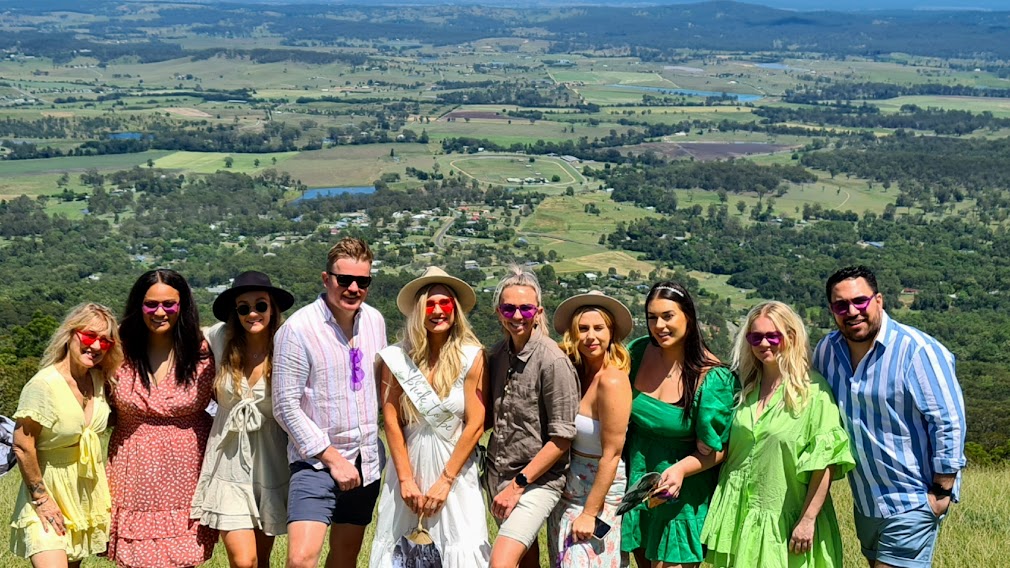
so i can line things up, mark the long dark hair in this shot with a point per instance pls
(697, 356)
(187, 339)
(235, 337)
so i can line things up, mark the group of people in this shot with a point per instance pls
(744, 452)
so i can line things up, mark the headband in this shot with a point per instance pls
(674, 290)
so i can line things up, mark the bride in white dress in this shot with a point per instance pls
(433, 385)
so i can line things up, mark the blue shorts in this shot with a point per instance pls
(905, 540)
(313, 495)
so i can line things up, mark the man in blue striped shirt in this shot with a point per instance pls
(902, 406)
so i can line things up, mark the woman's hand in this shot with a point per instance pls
(703, 448)
(504, 502)
(802, 539)
(51, 516)
(436, 496)
(671, 481)
(583, 527)
(412, 496)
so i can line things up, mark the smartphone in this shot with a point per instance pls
(601, 529)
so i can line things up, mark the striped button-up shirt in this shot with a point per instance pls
(903, 408)
(313, 398)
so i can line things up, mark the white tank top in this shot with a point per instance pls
(587, 436)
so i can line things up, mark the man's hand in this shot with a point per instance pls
(342, 471)
(939, 506)
(504, 502)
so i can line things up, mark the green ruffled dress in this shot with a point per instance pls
(660, 435)
(763, 483)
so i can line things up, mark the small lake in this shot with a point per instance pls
(690, 93)
(321, 192)
(126, 136)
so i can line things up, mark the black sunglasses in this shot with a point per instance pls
(261, 307)
(345, 280)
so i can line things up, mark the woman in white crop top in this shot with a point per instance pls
(594, 326)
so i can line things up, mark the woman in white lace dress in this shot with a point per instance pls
(433, 385)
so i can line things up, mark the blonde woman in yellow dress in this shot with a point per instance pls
(62, 510)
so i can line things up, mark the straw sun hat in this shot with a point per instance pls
(465, 295)
(623, 323)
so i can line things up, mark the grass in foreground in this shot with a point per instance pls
(974, 533)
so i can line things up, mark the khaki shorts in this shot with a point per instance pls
(523, 524)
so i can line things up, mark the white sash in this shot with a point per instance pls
(419, 391)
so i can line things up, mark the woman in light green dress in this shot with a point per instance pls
(772, 507)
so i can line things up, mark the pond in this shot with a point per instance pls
(321, 192)
(691, 93)
(126, 136)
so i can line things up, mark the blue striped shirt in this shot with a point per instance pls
(903, 409)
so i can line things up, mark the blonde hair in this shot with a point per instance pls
(80, 317)
(616, 356)
(516, 275)
(793, 355)
(348, 247)
(232, 364)
(414, 342)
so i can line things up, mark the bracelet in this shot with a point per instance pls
(40, 502)
(451, 478)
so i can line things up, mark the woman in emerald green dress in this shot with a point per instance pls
(682, 406)
(772, 507)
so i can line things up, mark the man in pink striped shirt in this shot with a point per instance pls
(324, 396)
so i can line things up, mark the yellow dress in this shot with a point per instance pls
(73, 469)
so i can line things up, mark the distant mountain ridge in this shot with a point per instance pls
(797, 5)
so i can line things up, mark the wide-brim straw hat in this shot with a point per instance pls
(623, 324)
(465, 296)
(250, 281)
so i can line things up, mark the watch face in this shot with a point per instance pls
(521, 480)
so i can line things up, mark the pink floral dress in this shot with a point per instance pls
(154, 463)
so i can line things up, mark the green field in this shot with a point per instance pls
(973, 535)
(998, 107)
(355, 165)
(497, 169)
(210, 162)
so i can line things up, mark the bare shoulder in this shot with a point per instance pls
(614, 381)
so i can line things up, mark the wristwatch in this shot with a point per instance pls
(521, 480)
(939, 492)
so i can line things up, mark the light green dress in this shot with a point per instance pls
(661, 434)
(763, 483)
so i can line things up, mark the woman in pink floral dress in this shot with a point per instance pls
(156, 451)
(584, 530)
